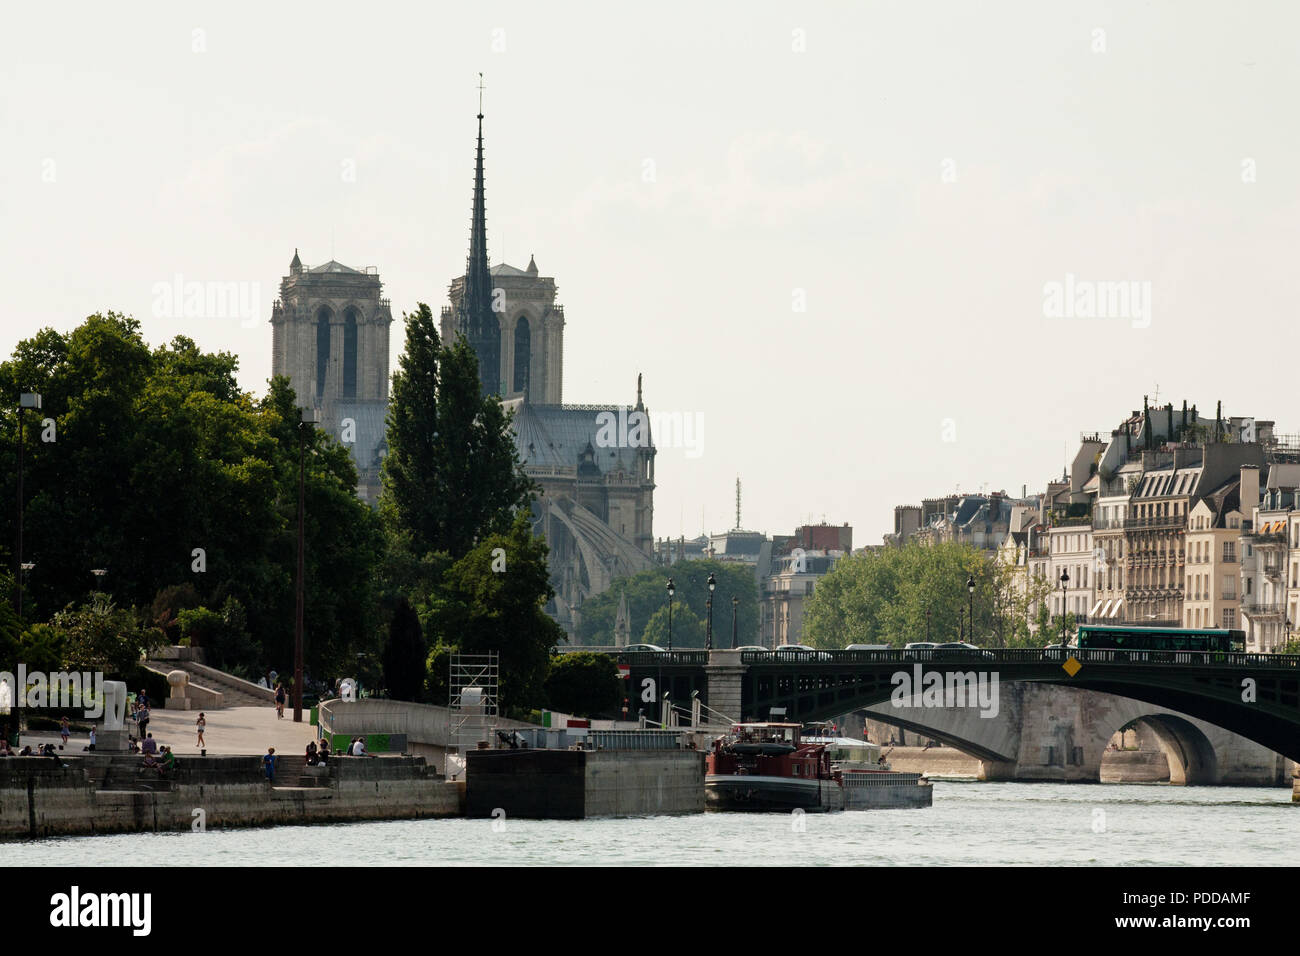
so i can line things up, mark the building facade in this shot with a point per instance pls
(329, 337)
(594, 464)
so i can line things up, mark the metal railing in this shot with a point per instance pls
(1156, 522)
(1026, 655)
(634, 739)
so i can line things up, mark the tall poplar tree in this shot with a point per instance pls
(451, 476)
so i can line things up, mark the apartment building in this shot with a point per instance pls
(1212, 592)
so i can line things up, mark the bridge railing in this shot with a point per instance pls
(640, 658)
(1023, 655)
(985, 655)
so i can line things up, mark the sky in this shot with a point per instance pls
(829, 235)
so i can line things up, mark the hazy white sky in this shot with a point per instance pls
(689, 173)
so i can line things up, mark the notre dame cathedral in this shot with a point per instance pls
(330, 337)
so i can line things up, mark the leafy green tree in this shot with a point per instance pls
(100, 635)
(647, 594)
(201, 626)
(584, 684)
(451, 475)
(405, 654)
(492, 599)
(158, 468)
(897, 595)
(688, 629)
(167, 605)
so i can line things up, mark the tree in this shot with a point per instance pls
(584, 684)
(688, 629)
(404, 654)
(647, 594)
(157, 467)
(451, 476)
(101, 636)
(897, 595)
(492, 600)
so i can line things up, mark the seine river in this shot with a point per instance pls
(970, 823)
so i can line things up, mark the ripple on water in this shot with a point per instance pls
(1003, 824)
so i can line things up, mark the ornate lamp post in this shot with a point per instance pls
(970, 589)
(671, 591)
(307, 422)
(1065, 580)
(735, 607)
(708, 605)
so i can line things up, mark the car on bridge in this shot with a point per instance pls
(753, 647)
(654, 648)
(909, 650)
(961, 649)
(868, 647)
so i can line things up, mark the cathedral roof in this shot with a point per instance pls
(558, 435)
(333, 266)
(501, 269)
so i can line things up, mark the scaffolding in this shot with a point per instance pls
(474, 700)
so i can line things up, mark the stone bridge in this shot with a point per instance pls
(1045, 717)
(1047, 732)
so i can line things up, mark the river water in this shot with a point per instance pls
(970, 823)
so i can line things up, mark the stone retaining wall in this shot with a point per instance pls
(42, 797)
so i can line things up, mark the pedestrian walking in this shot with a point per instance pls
(63, 730)
(201, 725)
(142, 719)
(279, 702)
(92, 739)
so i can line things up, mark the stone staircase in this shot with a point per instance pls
(234, 691)
(126, 774)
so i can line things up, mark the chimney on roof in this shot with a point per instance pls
(1249, 489)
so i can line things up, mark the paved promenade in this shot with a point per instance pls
(234, 730)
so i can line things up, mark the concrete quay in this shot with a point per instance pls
(96, 794)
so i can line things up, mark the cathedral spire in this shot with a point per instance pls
(476, 320)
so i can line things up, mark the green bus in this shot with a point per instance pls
(1121, 637)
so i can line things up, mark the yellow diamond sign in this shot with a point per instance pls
(1072, 666)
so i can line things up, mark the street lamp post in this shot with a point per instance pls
(1065, 580)
(735, 607)
(671, 591)
(25, 401)
(708, 605)
(970, 589)
(307, 421)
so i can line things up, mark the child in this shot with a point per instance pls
(201, 724)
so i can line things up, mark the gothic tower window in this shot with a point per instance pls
(523, 353)
(350, 353)
(322, 350)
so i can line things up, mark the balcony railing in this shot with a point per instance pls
(1264, 610)
(1158, 522)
